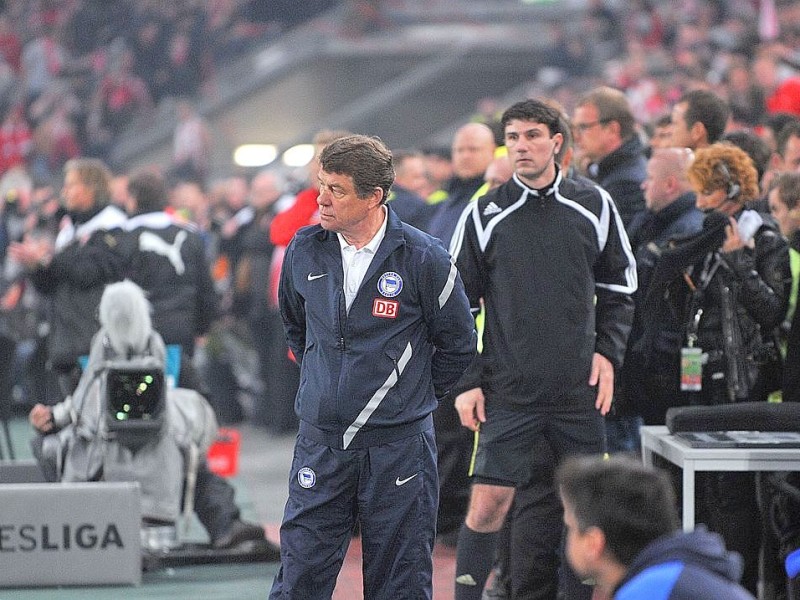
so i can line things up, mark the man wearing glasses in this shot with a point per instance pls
(605, 133)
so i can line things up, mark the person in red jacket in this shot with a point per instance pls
(304, 210)
(783, 93)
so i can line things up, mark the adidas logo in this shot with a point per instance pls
(491, 209)
(466, 579)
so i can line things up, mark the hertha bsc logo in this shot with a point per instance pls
(390, 284)
(306, 477)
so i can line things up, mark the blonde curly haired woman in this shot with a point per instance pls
(734, 295)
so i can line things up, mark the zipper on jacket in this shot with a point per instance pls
(342, 310)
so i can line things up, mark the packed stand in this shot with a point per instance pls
(74, 74)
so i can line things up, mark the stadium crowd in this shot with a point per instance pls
(75, 73)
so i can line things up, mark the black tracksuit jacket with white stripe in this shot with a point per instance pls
(555, 271)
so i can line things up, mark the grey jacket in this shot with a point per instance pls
(83, 449)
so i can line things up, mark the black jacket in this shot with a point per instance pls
(251, 276)
(649, 381)
(412, 209)
(791, 368)
(538, 259)
(621, 174)
(741, 294)
(650, 234)
(88, 256)
(445, 215)
(168, 261)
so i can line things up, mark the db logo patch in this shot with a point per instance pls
(306, 477)
(386, 309)
(390, 284)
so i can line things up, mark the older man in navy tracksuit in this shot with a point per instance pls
(376, 315)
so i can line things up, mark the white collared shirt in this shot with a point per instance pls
(356, 262)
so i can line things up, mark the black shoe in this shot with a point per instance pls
(238, 532)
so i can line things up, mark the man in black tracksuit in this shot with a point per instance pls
(551, 262)
(167, 260)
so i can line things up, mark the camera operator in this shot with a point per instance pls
(75, 444)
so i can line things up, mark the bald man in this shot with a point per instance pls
(650, 378)
(473, 150)
(499, 171)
